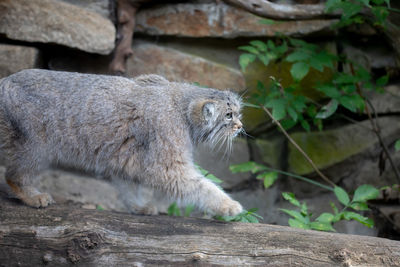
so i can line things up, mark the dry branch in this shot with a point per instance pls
(126, 11)
(63, 234)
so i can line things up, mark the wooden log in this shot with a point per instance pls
(64, 234)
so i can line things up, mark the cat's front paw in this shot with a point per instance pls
(229, 207)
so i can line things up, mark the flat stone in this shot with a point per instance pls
(387, 102)
(217, 20)
(269, 151)
(48, 21)
(102, 7)
(178, 66)
(14, 58)
(331, 147)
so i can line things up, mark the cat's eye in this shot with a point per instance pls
(229, 115)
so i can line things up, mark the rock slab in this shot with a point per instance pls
(14, 58)
(217, 20)
(178, 66)
(48, 21)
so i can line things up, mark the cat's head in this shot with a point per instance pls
(216, 117)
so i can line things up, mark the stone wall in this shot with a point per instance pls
(196, 41)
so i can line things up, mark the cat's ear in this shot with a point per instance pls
(209, 111)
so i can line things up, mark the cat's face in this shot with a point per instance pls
(222, 118)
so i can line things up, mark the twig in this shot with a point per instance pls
(375, 126)
(377, 131)
(326, 179)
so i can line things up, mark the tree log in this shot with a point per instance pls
(64, 234)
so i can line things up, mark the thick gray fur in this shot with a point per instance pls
(141, 130)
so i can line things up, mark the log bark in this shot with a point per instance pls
(64, 234)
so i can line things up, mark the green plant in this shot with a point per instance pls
(324, 222)
(248, 216)
(288, 104)
(374, 12)
(302, 218)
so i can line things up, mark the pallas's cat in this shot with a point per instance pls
(142, 130)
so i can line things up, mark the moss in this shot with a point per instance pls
(327, 148)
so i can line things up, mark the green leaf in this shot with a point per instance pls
(249, 49)
(209, 175)
(329, 90)
(291, 198)
(350, 9)
(304, 209)
(267, 21)
(288, 123)
(316, 64)
(173, 210)
(397, 145)
(264, 59)
(327, 110)
(341, 195)
(298, 224)
(295, 214)
(245, 216)
(322, 226)
(305, 125)
(299, 103)
(326, 59)
(281, 49)
(188, 210)
(249, 166)
(299, 70)
(279, 112)
(278, 106)
(292, 113)
(271, 45)
(382, 81)
(325, 217)
(344, 78)
(347, 102)
(349, 215)
(332, 5)
(268, 177)
(365, 192)
(260, 45)
(297, 56)
(359, 206)
(245, 60)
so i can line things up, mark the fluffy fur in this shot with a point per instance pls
(142, 130)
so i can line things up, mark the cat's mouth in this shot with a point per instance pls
(236, 132)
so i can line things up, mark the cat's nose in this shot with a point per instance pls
(238, 125)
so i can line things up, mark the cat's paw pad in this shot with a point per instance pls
(39, 201)
(230, 208)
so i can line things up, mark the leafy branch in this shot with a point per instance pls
(324, 222)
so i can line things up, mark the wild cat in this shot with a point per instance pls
(142, 130)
